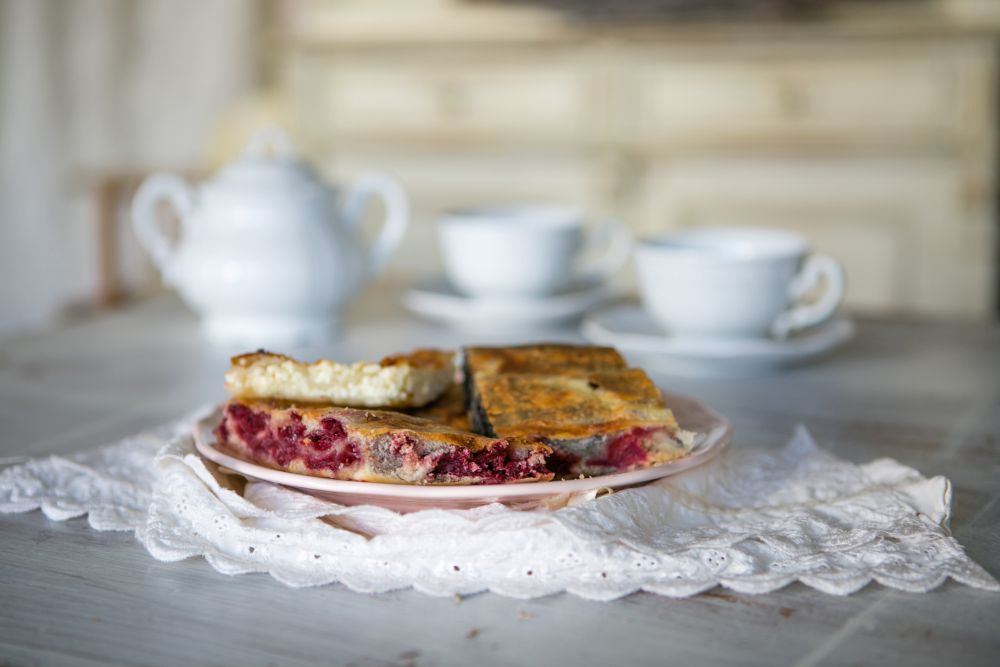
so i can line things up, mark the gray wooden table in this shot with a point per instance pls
(925, 394)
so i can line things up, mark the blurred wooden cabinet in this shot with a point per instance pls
(425, 95)
(879, 147)
(896, 91)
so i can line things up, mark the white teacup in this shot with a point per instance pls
(527, 251)
(735, 282)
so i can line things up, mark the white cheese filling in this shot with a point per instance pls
(361, 384)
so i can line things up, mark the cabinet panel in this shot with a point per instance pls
(418, 95)
(771, 94)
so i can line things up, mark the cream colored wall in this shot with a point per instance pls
(92, 87)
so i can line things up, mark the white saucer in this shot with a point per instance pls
(438, 300)
(713, 433)
(629, 328)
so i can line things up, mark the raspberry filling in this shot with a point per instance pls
(326, 448)
(329, 448)
(491, 464)
(561, 462)
(626, 451)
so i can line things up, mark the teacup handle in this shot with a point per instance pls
(145, 222)
(816, 269)
(397, 215)
(616, 239)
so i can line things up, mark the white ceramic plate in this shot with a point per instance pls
(629, 328)
(437, 300)
(714, 433)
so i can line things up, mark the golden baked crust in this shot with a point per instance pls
(532, 406)
(598, 415)
(448, 409)
(421, 358)
(407, 380)
(542, 358)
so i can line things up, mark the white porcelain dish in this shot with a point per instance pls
(438, 300)
(529, 250)
(714, 433)
(629, 328)
(736, 282)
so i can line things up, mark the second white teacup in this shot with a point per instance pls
(735, 282)
(527, 251)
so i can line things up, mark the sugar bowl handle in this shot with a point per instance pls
(146, 222)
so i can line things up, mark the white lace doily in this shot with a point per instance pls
(752, 521)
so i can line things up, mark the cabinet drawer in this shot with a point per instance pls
(770, 96)
(437, 99)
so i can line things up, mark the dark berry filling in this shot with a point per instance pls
(347, 455)
(403, 445)
(333, 427)
(247, 423)
(293, 430)
(222, 431)
(329, 448)
(326, 448)
(492, 465)
(562, 462)
(626, 451)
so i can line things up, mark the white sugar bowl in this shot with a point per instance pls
(268, 254)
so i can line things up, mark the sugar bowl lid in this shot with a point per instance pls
(270, 167)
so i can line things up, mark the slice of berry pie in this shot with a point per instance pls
(374, 446)
(598, 416)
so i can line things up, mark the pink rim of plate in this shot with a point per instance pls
(713, 434)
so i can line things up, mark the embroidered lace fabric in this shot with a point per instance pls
(752, 520)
